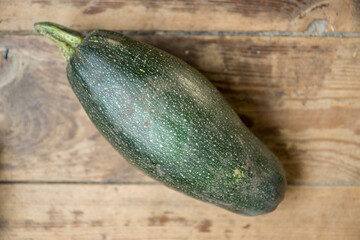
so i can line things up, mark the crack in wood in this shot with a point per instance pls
(306, 33)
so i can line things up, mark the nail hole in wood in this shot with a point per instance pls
(6, 54)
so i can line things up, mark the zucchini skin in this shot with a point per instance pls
(168, 120)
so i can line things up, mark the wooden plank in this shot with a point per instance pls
(212, 15)
(154, 212)
(300, 96)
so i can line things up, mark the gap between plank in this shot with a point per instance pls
(148, 183)
(77, 183)
(216, 33)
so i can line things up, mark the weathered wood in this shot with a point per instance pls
(108, 212)
(218, 15)
(301, 96)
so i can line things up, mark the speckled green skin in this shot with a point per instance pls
(167, 119)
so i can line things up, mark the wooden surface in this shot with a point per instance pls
(200, 15)
(155, 212)
(300, 94)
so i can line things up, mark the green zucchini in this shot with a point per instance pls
(168, 120)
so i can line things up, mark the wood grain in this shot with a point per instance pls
(300, 96)
(209, 15)
(154, 212)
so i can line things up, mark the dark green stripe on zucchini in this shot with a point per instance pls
(168, 120)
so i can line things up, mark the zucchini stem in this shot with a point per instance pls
(66, 38)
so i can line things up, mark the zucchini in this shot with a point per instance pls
(168, 120)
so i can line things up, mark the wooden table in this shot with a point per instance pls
(289, 68)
